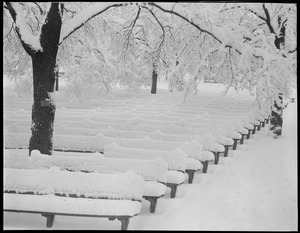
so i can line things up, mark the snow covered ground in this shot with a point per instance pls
(255, 188)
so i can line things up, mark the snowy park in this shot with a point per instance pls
(140, 116)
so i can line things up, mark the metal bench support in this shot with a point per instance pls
(235, 143)
(191, 175)
(217, 155)
(226, 150)
(173, 188)
(205, 165)
(50, 219)
(153, 201)
(124, 223)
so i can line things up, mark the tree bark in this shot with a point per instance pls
(43, 64)
(154, 80)
(277, 109)
(276, 118)
(43, 108)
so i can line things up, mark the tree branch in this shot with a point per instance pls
(41, 10)
(79, 20)
(292, 51)
(129, 33)
(162, 28)
(185, 19)
(190, 22)
(9, 32)
(252, 11)
(13, 14)
(268, 20)
(11, 10)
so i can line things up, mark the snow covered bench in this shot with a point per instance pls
(163, 141)
(176, 159)
(254, 121)
(54, 192)
(97, 143)
(154, 171)
(193, 149)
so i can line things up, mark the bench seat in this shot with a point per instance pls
(53, 192)
(153, 171)
(51, 205)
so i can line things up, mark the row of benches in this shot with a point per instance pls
(119, 154)
(54, 201)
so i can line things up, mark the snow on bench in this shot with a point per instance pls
(234, 129)
(97, 143)
(239, 127)
(254, 121)
(125, 137)
(154, 171)
(208, 143)
(177, 161)
(192, 149)
(220, 135)
(213, 137)
(54, 192)
(159, 140)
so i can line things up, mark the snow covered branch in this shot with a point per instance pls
(132, 24)
(79, 20)
(212, 31)
(164, 7)
(268, 19)
(30, 42)
(162, 28)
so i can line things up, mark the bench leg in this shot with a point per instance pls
(249, 133)
(242, 139)
(173, 188)
(235, 144)
(254, 129)
(50, 219)
(124, 223)
(205, 165)
(258, 127)
(153, 201)
(262, 123)
(191, 175)
(217, 155)
(226, 150)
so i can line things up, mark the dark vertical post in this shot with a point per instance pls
(154, 80)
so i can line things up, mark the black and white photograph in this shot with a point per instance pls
(150, 116)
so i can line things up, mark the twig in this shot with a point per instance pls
(162, 28)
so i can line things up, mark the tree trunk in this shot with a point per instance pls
(43, 108)
(276, 118)
(154, 81)
(277, 109)
(43, 64)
